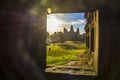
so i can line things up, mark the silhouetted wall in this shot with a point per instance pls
(22, 40)
(18, 62)
(108, 65)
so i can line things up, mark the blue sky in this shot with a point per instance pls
(56, 22)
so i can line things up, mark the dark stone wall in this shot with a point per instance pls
(22, 41)
(30, 63)
(109, 45)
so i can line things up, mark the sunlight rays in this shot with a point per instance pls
(52, 24)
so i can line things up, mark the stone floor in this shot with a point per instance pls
(72, 68)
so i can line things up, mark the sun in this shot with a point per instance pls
(52, 24)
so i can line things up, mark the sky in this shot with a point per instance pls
(57, 22)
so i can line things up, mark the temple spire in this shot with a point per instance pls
(65, 30)
(77, 30)
(71, 29)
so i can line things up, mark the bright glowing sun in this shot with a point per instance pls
(52, 24)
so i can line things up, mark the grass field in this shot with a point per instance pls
(61, 53)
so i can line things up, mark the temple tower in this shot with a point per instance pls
(65, 30)
(71, 29)
(78, 31)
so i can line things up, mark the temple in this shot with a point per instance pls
(66, 35)
(71, 35)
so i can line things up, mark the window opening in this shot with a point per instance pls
(68, 44)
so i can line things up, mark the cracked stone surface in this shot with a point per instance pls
(72, 67)
(84, 65)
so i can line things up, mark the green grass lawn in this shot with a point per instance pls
(61, 53)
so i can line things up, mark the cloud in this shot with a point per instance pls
(65, 21)
(79, 21)
(59, 16)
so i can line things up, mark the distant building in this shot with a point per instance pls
(48, 39)
(71, 35)
(66, 35)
